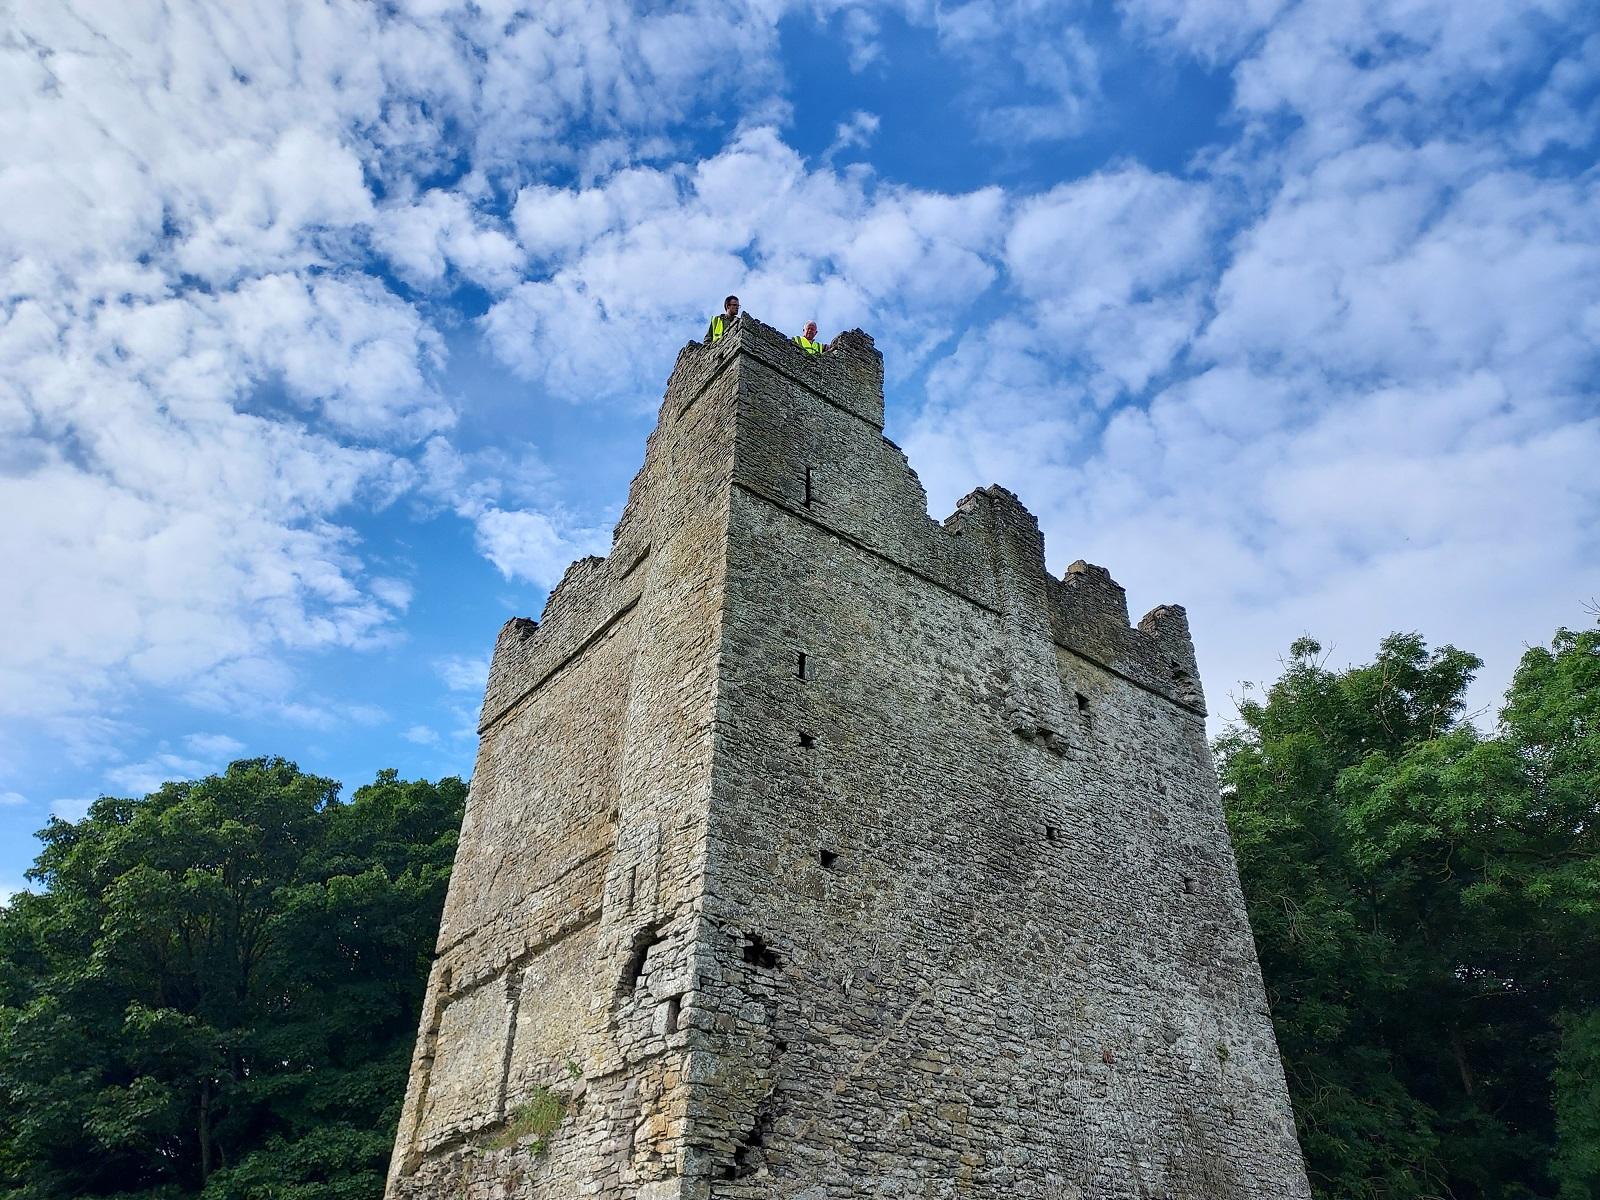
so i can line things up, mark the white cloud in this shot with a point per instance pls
(1351, 71)
(856, 133)
(861, 30)
(319, 712)
(186, 382)
(632, 256)
(199, 387)
(133, 584)
(463, 672)
(71, 809)
(141, 778)
(213, 746)
(1210, 29)
(1369, 408)
(526, 543)
(442, 231)
(1029, 69)
(396, 593)
(1113, 270)
(421, 735)
(12, 799)
(1409, 264)
(1565, 112)
(12, 886)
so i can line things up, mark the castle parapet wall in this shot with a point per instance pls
(843, 474)
(1089, 615)
(829, 463)
(592, 595)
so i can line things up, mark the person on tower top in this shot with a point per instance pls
(807, 340)
(723, 321)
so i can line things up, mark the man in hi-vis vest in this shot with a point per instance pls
(807, 341)
(724, 322)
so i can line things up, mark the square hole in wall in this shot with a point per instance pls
(807, 741)
(757, 953)
(1083, 702)
(827, 858)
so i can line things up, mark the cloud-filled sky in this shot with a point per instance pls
(331, 331)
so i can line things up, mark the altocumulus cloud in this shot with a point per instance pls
(1351, 374)
(1326, 371)
(194, 195)
(626, 259)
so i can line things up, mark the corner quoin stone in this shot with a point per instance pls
(816, 849)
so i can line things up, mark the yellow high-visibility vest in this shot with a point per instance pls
(806, 344)
(717, 326)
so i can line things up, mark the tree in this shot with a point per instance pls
(217, 992)
(1423, 899)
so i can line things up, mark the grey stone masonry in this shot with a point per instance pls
(818, 849)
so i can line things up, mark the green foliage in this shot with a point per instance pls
(536, 1117)
(1577, 1106)
(1424, 900)
(217, 992)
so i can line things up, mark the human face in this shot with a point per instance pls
(811, 331)
(731, 308)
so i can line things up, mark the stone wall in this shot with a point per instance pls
(818, 849)
(573, 907)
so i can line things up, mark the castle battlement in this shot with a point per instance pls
(817, 848)
(860, 486)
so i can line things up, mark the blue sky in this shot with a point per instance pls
(332, 332)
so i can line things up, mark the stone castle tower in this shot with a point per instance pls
(816, 849)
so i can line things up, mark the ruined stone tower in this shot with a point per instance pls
(816, 849)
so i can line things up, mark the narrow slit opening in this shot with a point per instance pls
(674, 1011)
(807, 500)
(800, 664)
(1083, 702)
(1049, 833)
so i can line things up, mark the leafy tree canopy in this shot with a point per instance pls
(1425, 902)
(217, 991)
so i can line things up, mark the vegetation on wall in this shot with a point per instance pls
(1426, 902)
(217, 991)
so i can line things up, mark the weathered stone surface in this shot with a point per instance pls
(817, 849)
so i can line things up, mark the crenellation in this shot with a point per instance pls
(848, 377)
(527, 660)
(862, 488)
(995, 519)
(508, 667)
(819, 849)
(1089, 615)
(1094, 597)
(1167, 627)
